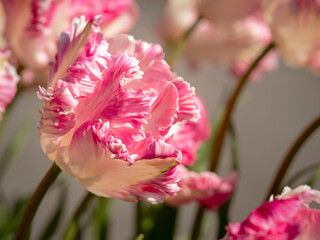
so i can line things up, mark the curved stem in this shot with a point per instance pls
(290, 156)
(32, 207)
(196, 230)
(138, 218)
(70, 231)
(314, 178)
(301, 173)
(181, 42)
(230, 106)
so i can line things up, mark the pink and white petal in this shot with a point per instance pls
(112, 101)
(70, 46)
(151, 61)
(188, 106)
(91, 163)
(309, 221)
(163, 111)
(57, 115)
(304, 193)
(272, 220)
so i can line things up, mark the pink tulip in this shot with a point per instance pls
(107, 110)
(206, 188)
(227, 11)
(8, 81)
(32, 26)
(293, 24)
(287, 217)
(234, 41)
(190, 135)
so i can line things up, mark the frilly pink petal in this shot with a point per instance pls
(189, 136)
(93, 163)
(188, 107)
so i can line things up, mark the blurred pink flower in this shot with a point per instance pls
(293, 24)
(32, 26)
(207, 188)
(8, 81)
(107, 110)
(234, 43)
(286, 217)
(190, 135)
(227, 11)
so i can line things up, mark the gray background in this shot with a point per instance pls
(271, 113)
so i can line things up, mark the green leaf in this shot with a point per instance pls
(10, 219)
(100, 219)
(16, 144)
(140, 237)
(56, 215)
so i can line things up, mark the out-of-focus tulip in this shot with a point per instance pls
(8, 81)
(286, 217)
(293, 24)
(206, 188)
(228, 11)
(234, 44)
(190, 135)
(32, 26)
(107, 110)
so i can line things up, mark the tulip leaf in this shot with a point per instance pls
(55, 218)
(100, 219)
(10, 219)
(16, 144)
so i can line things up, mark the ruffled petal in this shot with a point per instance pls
(163, 111)
(93, 164)
(188, 106)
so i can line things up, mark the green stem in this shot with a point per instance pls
(314, 178)
(165, 224)
(223, 213)
(72, 227)
(32, 207)
(301, 173)
(181, 42)
(230, 106)
(234, 147)
(288, 159)
(138, 218)
(196, 230)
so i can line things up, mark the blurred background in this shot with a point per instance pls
(269, 116)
